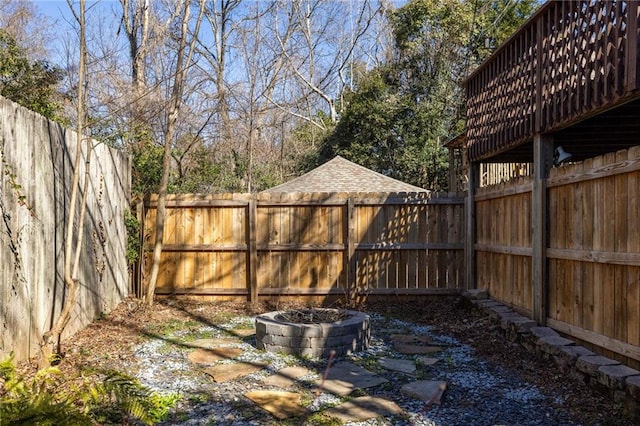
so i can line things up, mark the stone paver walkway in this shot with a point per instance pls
(341, 379)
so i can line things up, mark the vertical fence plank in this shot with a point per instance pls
(632, 290)
(620, 231)
(588, 296)
(252, 258)
(597, 219)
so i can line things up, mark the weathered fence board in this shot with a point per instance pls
(35, 186)
(310, 244)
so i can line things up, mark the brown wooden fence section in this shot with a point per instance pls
(593, 250)
(504, 242)
(309, 244)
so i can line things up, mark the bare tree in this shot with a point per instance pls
(74, 230)
(30, 29)
(219, 16)
(136, 25)
(184, 60)
(322, 49)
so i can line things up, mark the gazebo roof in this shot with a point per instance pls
(341, 175)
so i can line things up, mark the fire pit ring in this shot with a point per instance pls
(313, 340)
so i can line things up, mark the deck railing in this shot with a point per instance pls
(572, 59)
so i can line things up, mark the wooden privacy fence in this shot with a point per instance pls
(36, 171)
(592, 254)
(308, 244)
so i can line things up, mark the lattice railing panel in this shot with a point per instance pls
(572, 59)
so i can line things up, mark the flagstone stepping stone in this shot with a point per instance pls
(213, 355)
(409, 349)
(279, 403)
(429, 391)
(392, 331)
(286, 377)
(363, 408)
(402, 365)
(345, 377)
(243, 332)
(427, 361)
(410, 339)
(212, 343)
(225, 372)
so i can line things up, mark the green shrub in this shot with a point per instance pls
(49, 398)
(132, 225)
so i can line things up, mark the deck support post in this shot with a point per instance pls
(542, 162)
(470, 220)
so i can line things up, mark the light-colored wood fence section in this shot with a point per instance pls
(309, 244)
(594, 251)
(504, 242)
(35, 186)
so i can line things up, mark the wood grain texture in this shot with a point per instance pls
(593, 250)
(326, 241)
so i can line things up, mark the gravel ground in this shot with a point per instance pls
(490, 382)
(478, 392)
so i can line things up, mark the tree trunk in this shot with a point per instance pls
(183, 61)
(51, 339)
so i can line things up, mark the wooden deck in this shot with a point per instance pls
(571, 61)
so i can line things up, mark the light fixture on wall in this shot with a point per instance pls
(561, 155)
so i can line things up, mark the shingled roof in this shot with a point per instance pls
(341, 175)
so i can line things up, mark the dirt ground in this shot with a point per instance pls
(109, 342)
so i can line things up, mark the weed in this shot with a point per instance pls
(322, 419)
(222, 318)
(199, 398)
(169, 327)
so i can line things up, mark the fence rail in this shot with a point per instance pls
(309, 244)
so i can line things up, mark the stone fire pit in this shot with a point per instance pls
(313, 333)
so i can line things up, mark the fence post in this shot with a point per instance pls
(252, 258)
(542, 160)
(470, 231)
(350, 247)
